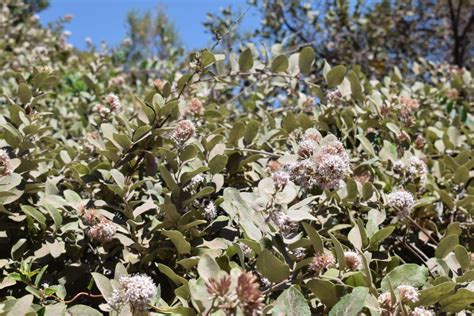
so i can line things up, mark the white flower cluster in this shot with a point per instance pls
(402, 201)
(286, 225)
(322, 261)
(210, 211)
(324, 165)
(420, 311)
(136, 290)
(4, 164)
(194, 183)
(413, 170)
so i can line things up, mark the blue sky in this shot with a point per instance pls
(105, 19)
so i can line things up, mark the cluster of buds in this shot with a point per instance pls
(322, 262)
(402, 201)
(286, 225)
(194, 183)
(159, 84)
(5, 169)
(246, 296)
(308, 104)
(420, 142)
(408, 107)
(280, 179)
(323, 165)
(453, 94)
(113, 105)
(335, 97)
(414, 170)
(117, 80)
(183, 132)
(194, 107)
(100, 229)
(408, 294)
(137, 290)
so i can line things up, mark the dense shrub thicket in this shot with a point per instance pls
(229, 184)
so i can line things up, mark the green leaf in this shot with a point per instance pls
(237, 131)
(246, 60)
(324, 290)
(251, 131)
(306, 59)
(178, 280)
(34, 213)
(356, 87)
(208, 267)
(335, 76)
(83, 310)
(315, 238)
(207, 59)
(181, 244)
(188, 153)
(350, 304)
(446, 245)
(168, 178)
(218, 163)
(341, 259)
(433, 294)
(366, 145)
(406, 274)
(381, 235)
(291, 302)
(462, 256)
(461, 175)
(290, 122)
(103, 284)
(22, 306)
(280, 64)
(24, 93)
(462, 299)
(271, 267)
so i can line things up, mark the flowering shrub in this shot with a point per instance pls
(217, 187)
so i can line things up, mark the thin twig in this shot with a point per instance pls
(82, 294)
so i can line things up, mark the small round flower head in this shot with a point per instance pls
(420, 311)
(302, 172)
(137, 290)
(385, 300)
(103, 232)
(402, 201)
(352, 260)
(299, 253)
(453, 94)
(420, 142)
(306, 148)
(117, 80)
(127, 42)
(407, 293)
(159, 84)
(114, 102)
(335, 148)
(210, 211)
(183, 131)
(335, 97)
(398, 167)
(416, 168)
(102, 110)
(5, 169)
(195, 107)
(409, 104)
(273, 166)
(322, 261)
(280, 178)
(331, 169)
(312, 134)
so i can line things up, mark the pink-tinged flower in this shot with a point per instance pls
(407, 293)
(331, 169)
(102, 232)
(306, 148)
(312, 134)
(184, 131)
(248, 292)
(352, 260)
(280, 179)
(5, 169)
(402, 201)
(159, 84)
(385, 300)
(102, 110)
(195, 107)
(114, 102)
(322, 261)
(219, 288)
